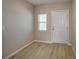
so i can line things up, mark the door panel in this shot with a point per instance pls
(60, 26)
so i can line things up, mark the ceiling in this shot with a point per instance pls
(38, 2)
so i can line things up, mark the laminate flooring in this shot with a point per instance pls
(45, 51)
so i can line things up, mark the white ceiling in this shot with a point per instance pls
(38, 2)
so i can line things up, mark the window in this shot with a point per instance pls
(42, 21)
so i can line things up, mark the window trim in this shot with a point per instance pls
(42, 22)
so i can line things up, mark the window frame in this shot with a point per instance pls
(40, 22)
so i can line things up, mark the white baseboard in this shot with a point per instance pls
(9, 56)
(43, 41)
(64, 43)
(69, 44)
(50, 42)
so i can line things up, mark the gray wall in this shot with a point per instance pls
(17, 25)
(73, 26)
(18, 29)
(46, 36)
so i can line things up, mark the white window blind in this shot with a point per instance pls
(42, 22)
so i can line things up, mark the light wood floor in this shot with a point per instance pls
(45, 51)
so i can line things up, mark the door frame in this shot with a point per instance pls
(68, 25)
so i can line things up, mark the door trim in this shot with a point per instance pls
(68, 27)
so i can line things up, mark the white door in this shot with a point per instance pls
(60, 26)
